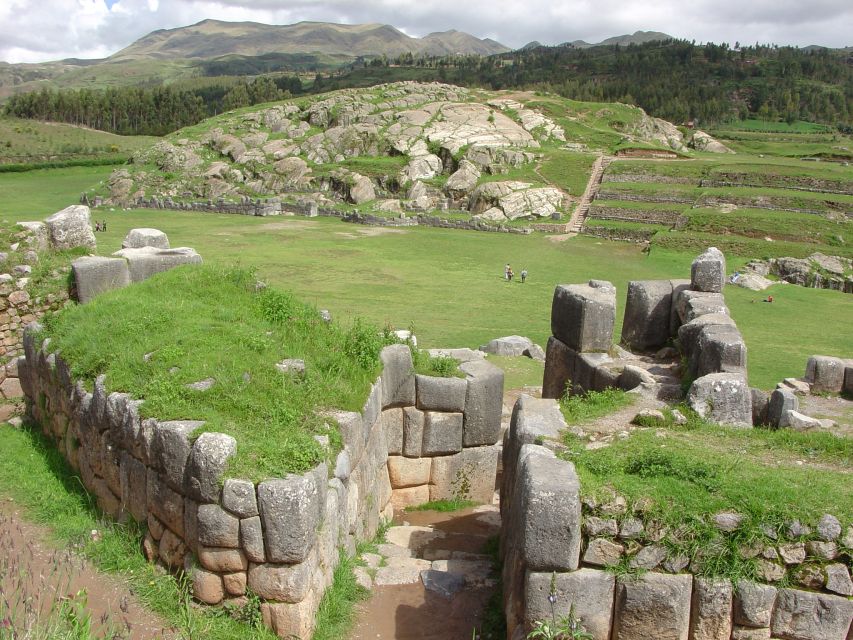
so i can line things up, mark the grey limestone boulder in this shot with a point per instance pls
(71, 228)
(723, 398)
(398, 380)
(647, 310)
(802, 615)
(252, 539)
(282, 583)
(442, 433)
(589, 592)
(217, 527)
(711, 610)
(165, 504)
(392, 422)
(207, 462)
(38, 238)
(95, 274)
(583, 316)
(507, 346)
(825, 373)
(483, 403)
(548, 499)
(441, 394)
(653, 606)
(147, 261)
(134, 489)
(760, 406)
(847, 387)
(678, 287)
(413, 432)
(781, 402)
(708, 271)
(290, 513)
(145, 237)
(688, 333)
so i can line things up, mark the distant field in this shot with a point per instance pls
(766, 126)
(27, 141)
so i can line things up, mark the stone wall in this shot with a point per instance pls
(417, 438)
(622, 234)
(690, 313)
(648, 216)
(551, 533)
(662, 197)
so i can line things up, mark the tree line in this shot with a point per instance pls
(153, 111)
(674, 79)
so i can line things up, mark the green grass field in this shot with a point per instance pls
(448, 285)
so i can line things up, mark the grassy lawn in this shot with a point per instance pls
(567, 170)
(34, 195)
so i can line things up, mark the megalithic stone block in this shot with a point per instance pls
(95, 274)
(559, 368)
(721, 349)
(723, 398)
(583, 316)
(647, 311)
(825, 373)
(708, 271)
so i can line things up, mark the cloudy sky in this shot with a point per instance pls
(33, 31)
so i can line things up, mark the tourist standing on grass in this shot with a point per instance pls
(506, 271)
(509, 274)
(523, 275)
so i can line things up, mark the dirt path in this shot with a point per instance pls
(35, 577)
(432, 579)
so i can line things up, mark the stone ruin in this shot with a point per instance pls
(550, 532)
(144, 252)
(417, 438)
(691, 313)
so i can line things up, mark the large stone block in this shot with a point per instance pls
(848, 380)
(147, 261)
(547, 500)
(392, 421)
(483, 403)
(442, 433)
(217, 527)
(781, 402)
(413, 432)
(653, 607)
(582, 316)
(222, 560)
(678, 286)
(441, 394)
(753, 604)
(760, 406)
(134, 487)
(95, 274)
(292, 620)
(647, 310)
(690, 304)
(711, 610)
(398, 379)
(238, 497)
(372, 409)
(723, 398)
(802, 615)
(583, 376)
(290, 513)
(708, 271)
(206, 464)
(207, 586)
(38, 236)
(71, 228)
(252, 539)
(721, 350)
(511, 346)
(469, 475)
(410, 497)
(282, 582)
(825, 373)
(170, 450)
(559, 368)
(145, 237)
(408, 472)
(164, 503)
(586, 592)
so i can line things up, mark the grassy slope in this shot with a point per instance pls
(205, 322)
(32, 141)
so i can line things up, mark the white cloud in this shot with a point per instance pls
(54, 29)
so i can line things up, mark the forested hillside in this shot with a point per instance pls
(675, 80)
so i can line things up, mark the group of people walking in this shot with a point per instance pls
(508, 273)
(100, 226)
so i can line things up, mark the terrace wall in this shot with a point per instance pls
(417, 438)
(551, 535)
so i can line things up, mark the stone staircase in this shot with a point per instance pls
(578, 218)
